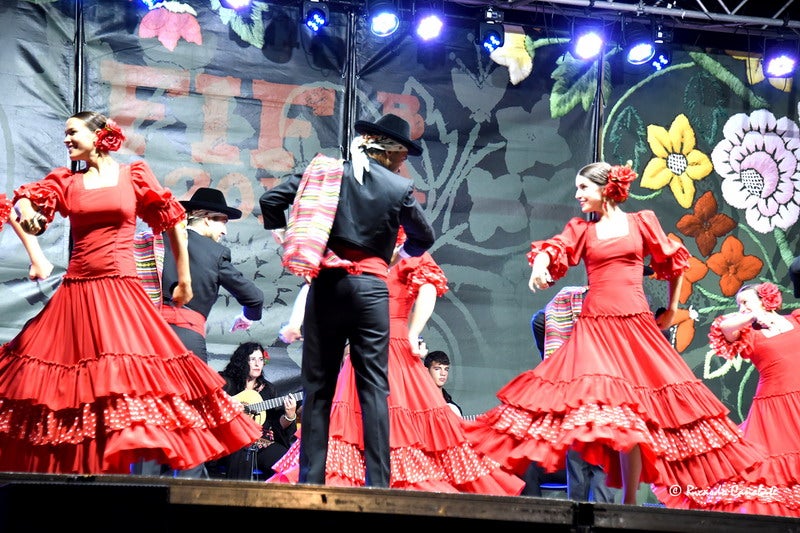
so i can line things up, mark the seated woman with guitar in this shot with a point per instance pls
(245, 381)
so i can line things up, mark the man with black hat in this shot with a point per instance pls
(211, 267)
(342, 234)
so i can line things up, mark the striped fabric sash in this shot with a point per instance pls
(559, 317)
(148, 251)
(311, 219)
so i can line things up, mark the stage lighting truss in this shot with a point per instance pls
(383, 17)
(315, 14)
(780, 58)
(491, 33)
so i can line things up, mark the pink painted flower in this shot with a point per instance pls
(759, 161)
(170, 22)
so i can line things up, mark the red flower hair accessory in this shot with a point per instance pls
(619, 182)
(770, 296)
(110, 138)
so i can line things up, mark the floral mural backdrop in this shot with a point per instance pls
(238, 100)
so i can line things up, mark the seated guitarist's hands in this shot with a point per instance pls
(289, 409)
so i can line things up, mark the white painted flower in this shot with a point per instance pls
(759, 162)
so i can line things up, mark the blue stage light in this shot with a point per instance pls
(315, 15)
(383, 17)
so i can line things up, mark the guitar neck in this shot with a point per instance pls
(272, 403)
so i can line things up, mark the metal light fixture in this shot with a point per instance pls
(491, 33)
(315, 14)
(383, 17)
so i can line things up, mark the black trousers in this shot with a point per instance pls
(192, 340)
(342, 307)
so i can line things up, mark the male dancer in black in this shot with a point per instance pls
(343, 305)
(211, 267)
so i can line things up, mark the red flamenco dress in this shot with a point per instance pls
(428, 448)
(616, 382)
(773, 423)
(98, 380)
(5, 209)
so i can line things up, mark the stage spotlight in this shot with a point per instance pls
(780, 59)
(429, 26)
(662, 59)
(234, 4)
(491, 33)
(639, 45)
(383, 17)
(315, 14)
(587, 43)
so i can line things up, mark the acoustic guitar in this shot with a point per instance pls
(257, 407)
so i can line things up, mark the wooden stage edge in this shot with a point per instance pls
(38, 502)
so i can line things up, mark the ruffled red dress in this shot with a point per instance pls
(429, 450)
(616, 382)
(98, 380)
(772, 423)
(5, 209)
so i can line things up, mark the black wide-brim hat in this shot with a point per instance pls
(211, 200)
(391, 126)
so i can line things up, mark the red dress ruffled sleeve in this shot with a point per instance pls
(729, 350)
(423, 272)
(669, 258)
(48, 193)
(565, 249)
(155, 204)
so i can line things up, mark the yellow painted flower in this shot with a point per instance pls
(514, 55)
(677, 162)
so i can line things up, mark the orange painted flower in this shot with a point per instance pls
(706, 225)
(733, 267)
(697, 270)
(684, 334)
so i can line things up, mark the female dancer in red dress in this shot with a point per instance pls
(428, 448)
(98, 380)
(616, 391)
(769, 340)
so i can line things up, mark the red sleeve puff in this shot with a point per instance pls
(426, 271)
(669, 258)
(5, 209)
(155, 204)
(48, 193)
(565, 249)
(729, 350)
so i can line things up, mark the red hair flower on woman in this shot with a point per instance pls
(110, 138)
(770, 296)
(619, 182)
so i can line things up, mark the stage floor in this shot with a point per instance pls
(34, 502)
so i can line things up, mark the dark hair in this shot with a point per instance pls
(93, 119)
(596, 172)
(238, 368)
(436, 356)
